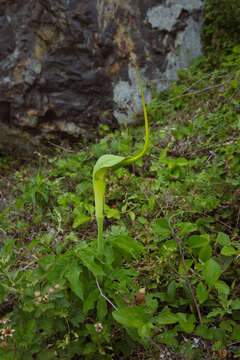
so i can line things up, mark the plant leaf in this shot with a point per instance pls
(72, 275)
(107, 162)
(161, 227)
(223, 239)
(128, 244)
(211, 272)
(201, 293)
(196, 241)
(222, 287)
(228, 251)
(133, 317)
(166, 317)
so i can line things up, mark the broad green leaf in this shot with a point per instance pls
(88, 261)
(107, 162)
(128, 244)
(171, 291)
(205, 332)
(215, 313)
(72, 275)
(169, 338)
(145, 331)
(80, 219)
(111, 213)
(46, 261)
(89, 348)
(223, 239)
(236, 49)
(132, 316)
(205, 253)
(186, 228)
(201, 293)
(166, 317)
(102, 309)
(227, 325)
(211, 272)
(89, 302)
(58, 269)
(225, 262)
(228, 251)
(187, 323)
(181, 270)
(181, 162)
(236, 333)
(236, 304)
(197, 241)
(161, 227)
(222, 287)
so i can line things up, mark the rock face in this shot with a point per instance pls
(68, 65)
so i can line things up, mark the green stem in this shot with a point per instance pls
(99, 191)
(100, 234)
(134, 158)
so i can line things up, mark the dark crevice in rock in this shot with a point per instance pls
(5, 112)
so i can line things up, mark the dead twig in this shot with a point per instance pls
(101, 293)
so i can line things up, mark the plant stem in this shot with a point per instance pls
(100, 234)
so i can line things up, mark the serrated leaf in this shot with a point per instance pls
(102, 309)
(205, 253)
(170, 338)
(236, 304)
(46, 261)
(80, 219)
(201, 293)
(198, 241)
(222, 287)
(88, 261)
(211, 272)
(166, 318)
(187, 323)
(188, 263)
(89, 302)
(228, 251)
(128, 244)
(161, 227)
(58, 269)
(204, 332)
(236, 333)
(223, 239)
(146, 330)
(186, 228)
(111, 213)
(171, 291)
(72, 275)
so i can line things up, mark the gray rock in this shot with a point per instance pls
(64, 64)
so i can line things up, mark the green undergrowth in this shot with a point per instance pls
(168, 280)
(221, 30)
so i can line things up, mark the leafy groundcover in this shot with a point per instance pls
(167, 283)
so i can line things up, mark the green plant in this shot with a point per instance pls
(113, 162)
(171, 256)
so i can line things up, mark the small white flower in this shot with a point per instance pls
(98, 327)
